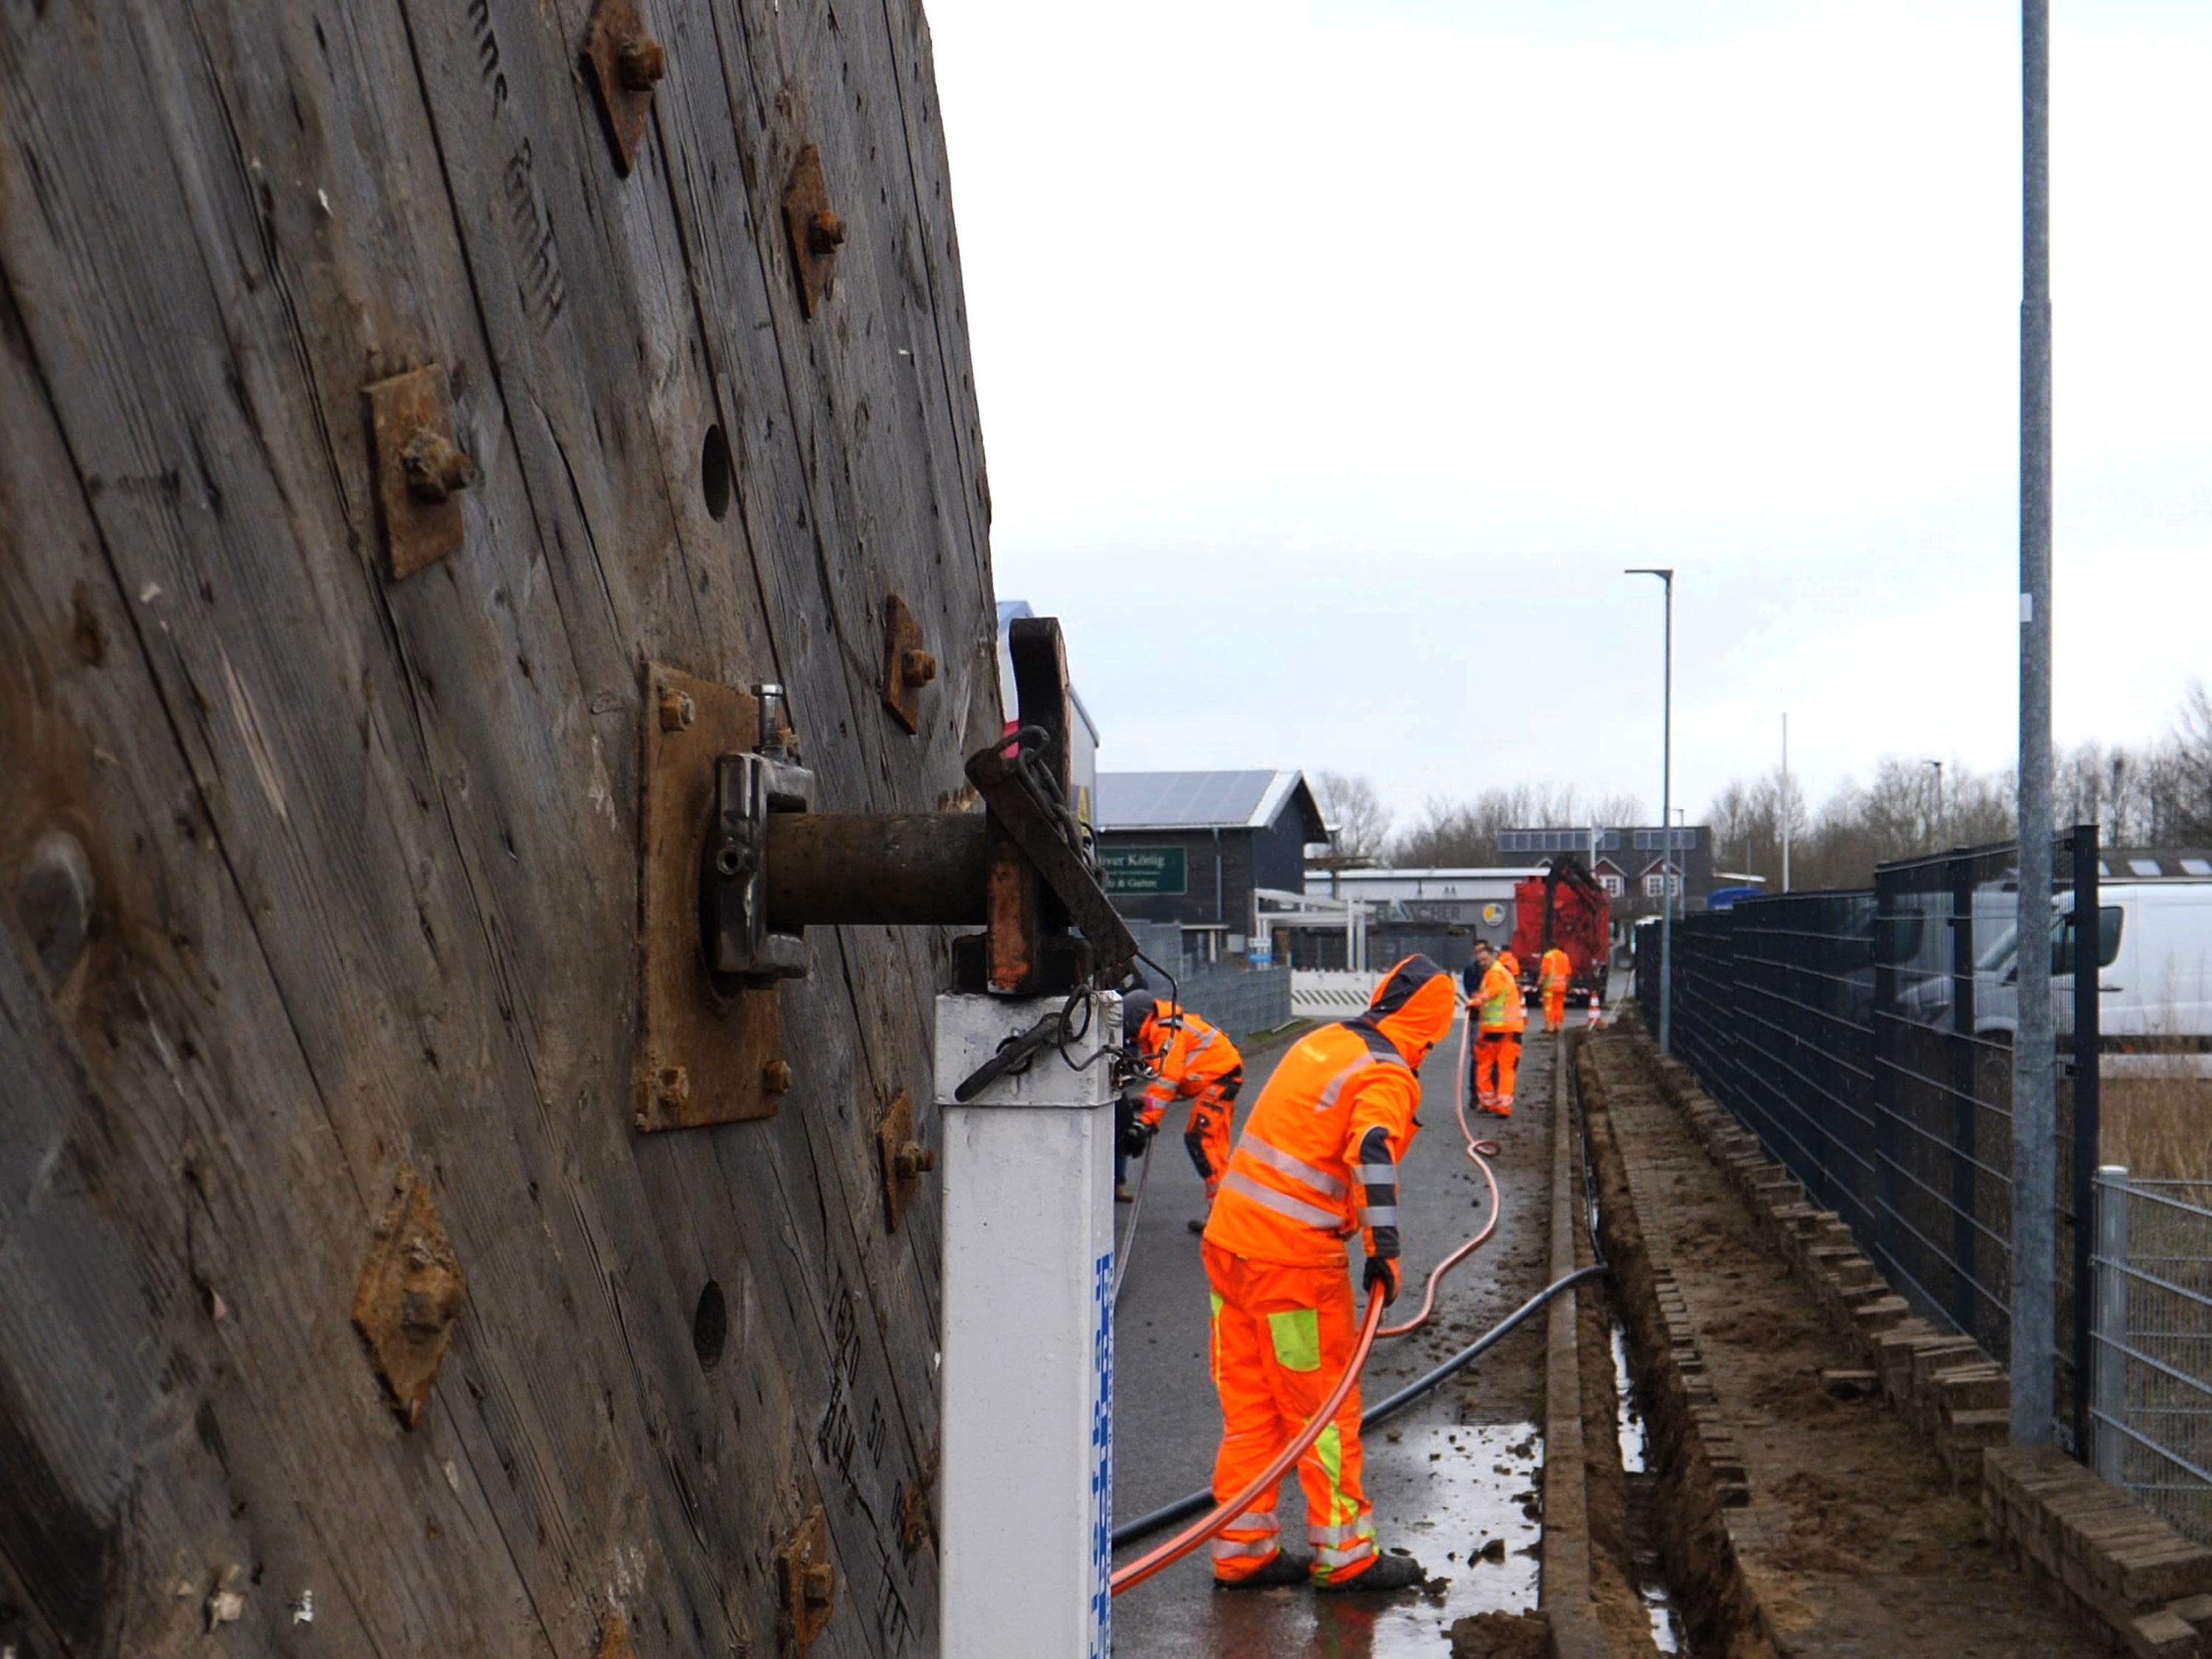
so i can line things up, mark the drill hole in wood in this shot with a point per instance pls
(714, 475)
(710, 1327)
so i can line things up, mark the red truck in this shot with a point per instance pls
(1563, 907)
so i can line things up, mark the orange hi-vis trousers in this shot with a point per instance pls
(1555, 1009)
(1282, 1336)
(1206, 1137)
(1497, 1067)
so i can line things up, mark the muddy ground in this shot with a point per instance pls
(1852, 1543)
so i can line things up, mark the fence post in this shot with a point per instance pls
(1965, 1104)
(2088, 1073)
(2108, 1403)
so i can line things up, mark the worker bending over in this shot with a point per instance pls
(1317, 1162)
(1553, 970)
(1500, 1021)
(1195, 1061)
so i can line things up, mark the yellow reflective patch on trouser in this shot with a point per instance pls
(1213, 1348)
(1297, 1337)
(1346, 1539)
(1328, 1448)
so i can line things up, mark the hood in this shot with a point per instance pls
(1414, 1006)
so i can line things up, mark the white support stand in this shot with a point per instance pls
(1028, 1172)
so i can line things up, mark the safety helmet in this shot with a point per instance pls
(1136, 1008)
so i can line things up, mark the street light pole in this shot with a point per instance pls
(1936, 824)
(1677, 894)
(1666, 819)
(2034, 1056)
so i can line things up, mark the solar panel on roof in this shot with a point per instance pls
(1137, 800)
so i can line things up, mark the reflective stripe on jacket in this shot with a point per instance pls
(1190, 1056)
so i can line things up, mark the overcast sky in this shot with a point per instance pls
(1334, 358)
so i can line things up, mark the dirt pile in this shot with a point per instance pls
(1502, 1636)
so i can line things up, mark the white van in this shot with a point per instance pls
(2154, 942)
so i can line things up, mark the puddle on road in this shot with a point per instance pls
(1472, 1484)
(1442, 1491)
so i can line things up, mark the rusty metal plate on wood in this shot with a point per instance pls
(625, 64)
(810, 1579)
(704, 1055)
(901, 1159)
(408, 1295)
(914, 1519)
(814, 229)
(907, 666)
(420, 472)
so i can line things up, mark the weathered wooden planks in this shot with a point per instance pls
(365, 851)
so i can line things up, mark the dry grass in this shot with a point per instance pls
(2161, 1128)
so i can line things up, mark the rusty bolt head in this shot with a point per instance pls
(820, 1585)
(775, 1076)
(640, 63)
(912, 1159)
(423, 1312)
(678, 710)
(824, 231)
(673, 1086)
(433, 467)
(917, 667)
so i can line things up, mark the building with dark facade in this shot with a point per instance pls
(1193, 847)
(1628, 864)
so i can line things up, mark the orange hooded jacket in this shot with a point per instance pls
(1190, 1055)
(1318, 1158)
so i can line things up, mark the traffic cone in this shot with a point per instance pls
(1596, 1014)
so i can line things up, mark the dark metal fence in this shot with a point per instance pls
(1866, 1038)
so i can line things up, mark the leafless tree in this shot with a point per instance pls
(1358, 822)
(1455, 832)
(2184, 808)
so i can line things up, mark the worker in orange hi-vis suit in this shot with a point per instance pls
(1500, 1021)
(1317, 1161)
(1553, 970)
(1195, 1061)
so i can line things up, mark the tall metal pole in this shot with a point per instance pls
(1666, 822)
(2034, 1093)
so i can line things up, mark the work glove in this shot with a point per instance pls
(1382, 1275)
(1135, 1137)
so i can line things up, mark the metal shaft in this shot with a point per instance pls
(891, 870)
(2035, 1113)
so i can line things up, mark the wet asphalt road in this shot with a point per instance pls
(1447, 1474)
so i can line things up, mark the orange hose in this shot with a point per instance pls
(1166, 1555)
(1480, 1152)
(1208, 1524)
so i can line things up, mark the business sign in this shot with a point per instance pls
(1144, 871)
